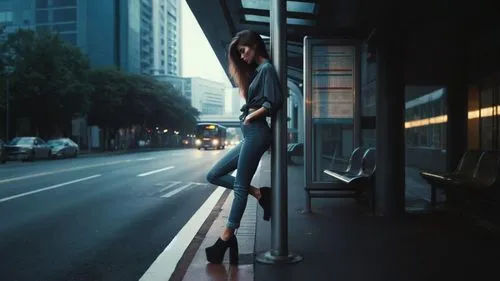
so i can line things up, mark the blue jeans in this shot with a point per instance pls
(245, 157)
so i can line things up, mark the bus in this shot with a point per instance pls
(210, 135)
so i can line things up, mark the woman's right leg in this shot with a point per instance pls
(220, 174)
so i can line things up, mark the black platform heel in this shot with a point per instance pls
(215, 253)
(265, 202)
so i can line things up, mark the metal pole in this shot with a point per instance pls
(7, 110)
(279, 222)
(279, 175)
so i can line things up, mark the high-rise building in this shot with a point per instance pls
(127, 25)
(109, 32)
(205, 95)
(166, 38)
(147, 36)
(173, 27)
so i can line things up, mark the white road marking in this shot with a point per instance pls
(170, 186)
(63, 170)
(25, 177)
(177, 190)
(165, 264)
(47, 188)
(155, 171)
(146, 159)
(199, 183)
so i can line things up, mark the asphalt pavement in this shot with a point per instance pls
(97, 218)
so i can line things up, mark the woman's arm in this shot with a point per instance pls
(261, 112)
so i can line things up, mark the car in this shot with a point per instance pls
(63, 147)
(27, 148)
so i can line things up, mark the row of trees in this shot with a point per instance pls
(51, 82)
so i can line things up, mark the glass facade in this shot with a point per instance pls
(88, 24)
(64, 27)
(97, 32)
(130, 41)
(7, 18)
(425, 120)
(484, 115)
(59, 16)
(42, 16)
(64, 15)
(426, 127)
(63, 3)
(16, 14)
(42, 4)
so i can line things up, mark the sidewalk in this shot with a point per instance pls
(340, 240)
(200, 270)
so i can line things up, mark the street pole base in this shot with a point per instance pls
(269, 258)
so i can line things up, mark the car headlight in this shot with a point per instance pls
(215, 142)
(198, 142)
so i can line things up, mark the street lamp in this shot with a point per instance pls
(8, 70)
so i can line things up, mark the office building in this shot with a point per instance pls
(205, 95)
(161, 33)
(107, 31)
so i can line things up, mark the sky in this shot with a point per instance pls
(198, 58)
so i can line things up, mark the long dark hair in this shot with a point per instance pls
(239, 69)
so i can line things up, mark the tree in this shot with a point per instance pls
(109, 89)
(155, 104)
(52, 83)
(121, 100)
(174, 110)
(49, 83)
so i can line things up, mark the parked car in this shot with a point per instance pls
(3, 155)
(27, 148)
(63, 147)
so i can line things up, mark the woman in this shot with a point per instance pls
(258, 82)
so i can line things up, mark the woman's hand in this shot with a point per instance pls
(247, 120)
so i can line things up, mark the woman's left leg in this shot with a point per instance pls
(220, 174)
(257, 140)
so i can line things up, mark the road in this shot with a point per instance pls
(97, 218)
